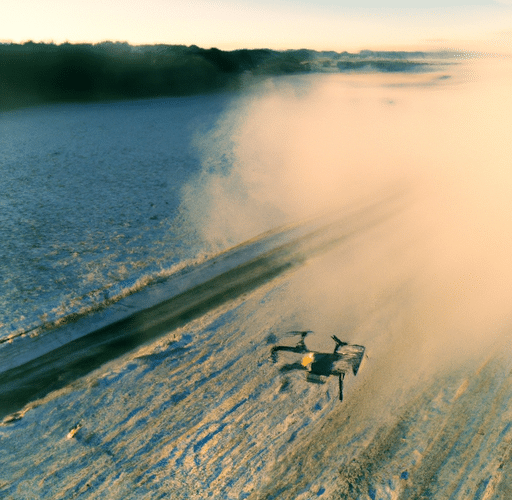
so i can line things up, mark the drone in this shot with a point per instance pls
(320, 365)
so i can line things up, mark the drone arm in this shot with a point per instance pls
(292, 366)
(299, 348)
(287, 348)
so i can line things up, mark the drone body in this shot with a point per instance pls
(318, 365)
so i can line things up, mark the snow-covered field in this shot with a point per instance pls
(409, 257)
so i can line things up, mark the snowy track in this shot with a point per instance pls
(202, 412)
(31, 367)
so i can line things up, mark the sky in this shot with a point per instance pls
(277, 24)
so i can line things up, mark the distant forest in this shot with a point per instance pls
(38, 73)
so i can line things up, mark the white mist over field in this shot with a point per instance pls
(302, 146)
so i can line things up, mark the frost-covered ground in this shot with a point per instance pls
(422, 279)
(202, 412)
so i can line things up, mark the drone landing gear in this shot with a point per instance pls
(341, 376)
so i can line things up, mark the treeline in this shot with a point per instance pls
(36, 73)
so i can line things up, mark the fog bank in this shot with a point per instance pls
(440, 272)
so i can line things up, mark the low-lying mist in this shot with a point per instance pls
(433, 286)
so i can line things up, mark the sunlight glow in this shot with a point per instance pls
(228, 25)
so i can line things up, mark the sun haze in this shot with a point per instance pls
(279, 24)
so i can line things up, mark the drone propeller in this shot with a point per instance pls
(303, 333)
(339, 343)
